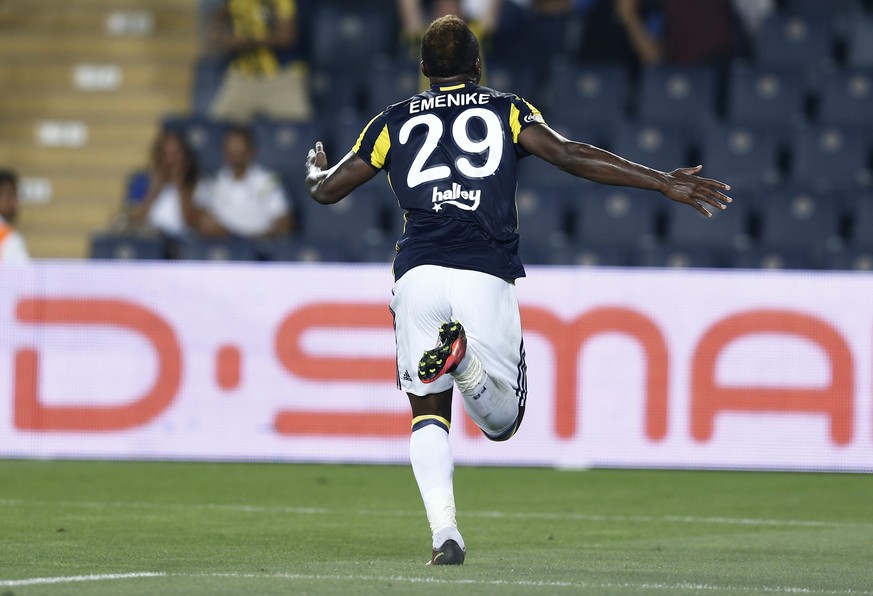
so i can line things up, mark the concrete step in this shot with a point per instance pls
(157, 6)
(88, 48)
(57, 77)
(110, 106)
(65, 18)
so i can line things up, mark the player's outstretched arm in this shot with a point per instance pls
(586, 161)
(328, 186)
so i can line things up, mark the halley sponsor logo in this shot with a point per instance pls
(455, 196)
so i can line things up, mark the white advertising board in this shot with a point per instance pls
(294, 362)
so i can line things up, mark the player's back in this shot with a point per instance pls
(451, 155)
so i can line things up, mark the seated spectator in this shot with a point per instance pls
(256, 35)
(12, 247)
(243, 199)
(168, 205)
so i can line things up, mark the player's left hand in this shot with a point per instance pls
(685, 186)
(316, 158)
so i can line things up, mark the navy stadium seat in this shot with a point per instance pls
(542, 217)
(846, 98)
(850, 259)
(592, 96)
(819, 9)
(679, 96)
(389, 82)
(862, 223)
(109, 246)
(296, 250)
(799, 220)
(580, 255)
(859, 41)
(741, 156)
(659, 147)
(224, 249)
(773, 258)
(350, 36)
(335, 90)
(795, 42)
(208, 77)
(282, 146)
(352, 222)
(725, 231)
(344, 132)
(612, 216)
(511, 79)
(831, 158)
(766, 97)
(675, 257)
(204, 135)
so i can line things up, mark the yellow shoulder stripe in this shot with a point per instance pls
(514, 124)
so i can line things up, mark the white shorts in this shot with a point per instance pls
(428, 296)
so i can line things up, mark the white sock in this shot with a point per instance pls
(492, 405)
(433, 466)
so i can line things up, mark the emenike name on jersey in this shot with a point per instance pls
(449, 100)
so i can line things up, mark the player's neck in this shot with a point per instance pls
(455, 79)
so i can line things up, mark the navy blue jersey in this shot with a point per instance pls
(451, 154)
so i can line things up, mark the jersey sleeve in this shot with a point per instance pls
(374, 144)
(521, 115)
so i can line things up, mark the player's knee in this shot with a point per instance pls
(509, 432)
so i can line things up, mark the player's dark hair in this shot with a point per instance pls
(449, 47)
(8, 177)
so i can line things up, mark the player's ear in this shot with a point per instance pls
(424, 70)
(477, 68)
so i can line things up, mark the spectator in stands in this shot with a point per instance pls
(646, 32)
(257, 36)
(243, 199)
(168, 205)
(12, 246)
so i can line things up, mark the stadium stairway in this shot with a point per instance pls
(83, 87)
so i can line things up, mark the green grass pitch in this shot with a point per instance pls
(207, 528)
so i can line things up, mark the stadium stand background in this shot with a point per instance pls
(788, 124)
(83, 86)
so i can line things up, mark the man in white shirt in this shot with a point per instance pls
(243, 199)
(12, 247)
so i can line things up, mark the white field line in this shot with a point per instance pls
(532, 515)
(654, 587)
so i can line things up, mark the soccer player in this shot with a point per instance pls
(12, 246)
(451, 155)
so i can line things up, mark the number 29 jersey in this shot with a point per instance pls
(451, 154)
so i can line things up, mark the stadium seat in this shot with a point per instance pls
(296, 250)
(675, 257)
(109, 246)
(616, 217)
(859, 41)
(818, 9)
(829, 158)
(799, 220)
(390, 81)
(350, 37)
(204, 135)
(766, 97)
(726, 230)
(282, 146)
(344, 131)
(336, 90)
(773, 258)
(861, 236)
(224, 249)
(580, 255)
(353, 222)
(542, 217)
(509, 78)
(846, 98)
(659, 147)
(592, 96)
(741, 156)
(850, 259)
(682, 97)
(795, 42)
(208, 77)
